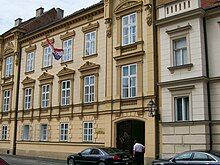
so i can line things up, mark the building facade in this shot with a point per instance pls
(188, 78)
(95, 95)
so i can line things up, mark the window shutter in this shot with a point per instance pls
(21, 131)
(8, 132)
(48, 132)
(37, 132)
(30, 132)
(1, 132)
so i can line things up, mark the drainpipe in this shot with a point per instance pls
(156, 93)
(18, 54)
(208, 84)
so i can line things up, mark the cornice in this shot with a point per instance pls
(182, 16)
(28, 80)
(183, 81)
(127, 5)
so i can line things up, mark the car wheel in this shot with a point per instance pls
(101, 163)
(71, 162)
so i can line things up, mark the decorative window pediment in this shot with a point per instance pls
(65, 71)
(90, 27)
(126, 5)
(30, 48)
(89, 66)
(45, 76)
(9, 48)
(68, 35)
(28, 80)
(45, 44)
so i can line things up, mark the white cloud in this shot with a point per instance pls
(25, 9)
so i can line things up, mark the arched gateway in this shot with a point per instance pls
(127, 132)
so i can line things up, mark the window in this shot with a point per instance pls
(45, 98)
(27, 98)
(30, 62)
(6, 100)
(65, 93)
(8, 66)
(198, 156)
(129, 81)
(182, 108)
(129, 29)
(4, 132)
(47, 58)
(43, 132)
(64, 132)
(184, 156)
(87, 131)
(67, 46)
(90, 43)
(180, 51)
(89, 89)
(26, 132)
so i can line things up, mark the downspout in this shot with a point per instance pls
(156, 93)
(208, 84)
(18, 54)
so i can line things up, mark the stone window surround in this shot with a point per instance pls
(174, 34)
(44, 44)
(45, 79)
(181, 91)
(66, 74)
(28, 83)
(9, 87)
(64, 37)
(13, 66)
(87, 29)
(68, 138)
(29, 50)
(86, 70)
(87, 128)
(122, 10)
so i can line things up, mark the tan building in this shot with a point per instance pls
(188, 33)
(96, 94)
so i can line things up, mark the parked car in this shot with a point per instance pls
(100, 156)
(3, 162)
(192, 157)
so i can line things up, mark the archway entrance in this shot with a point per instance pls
(127, 132)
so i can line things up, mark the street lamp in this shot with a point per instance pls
(152, 108)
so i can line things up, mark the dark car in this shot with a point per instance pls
(100, 156)
(3, 162)
(192, 157)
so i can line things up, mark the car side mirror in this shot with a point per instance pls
(173, 160)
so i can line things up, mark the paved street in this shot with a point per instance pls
(23, 160)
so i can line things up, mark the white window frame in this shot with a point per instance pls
(30, 62)
(68, 50)
(26, 136)
(43, 132)
(6, 100)
(8, 66)
(47, 57)
(27, 98)
(45, 95)
(183, 59)
(65, 92)
(90, 96)
(129, 77)
(64, 131)
(88, 131)
(130, 37)
(185, 108)
(90, 43)
(4, 132)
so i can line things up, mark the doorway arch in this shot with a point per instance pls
(127, 131)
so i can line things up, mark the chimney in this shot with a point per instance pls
(39, 11)
(18, 21)
(59, 13)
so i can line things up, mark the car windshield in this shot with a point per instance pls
(111, 150)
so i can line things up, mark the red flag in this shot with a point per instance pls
(57, 53)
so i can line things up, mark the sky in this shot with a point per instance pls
(10, 10)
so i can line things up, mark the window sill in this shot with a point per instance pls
(66, 62)
(128, 101)
(65, 107)
(88, 105)
(86, 57)
(6, 78)
(46, 68)
(129, 47)
(5, 113)
(44, 110)
(185, 66)
(29, 72)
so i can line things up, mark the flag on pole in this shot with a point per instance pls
(57, 53)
